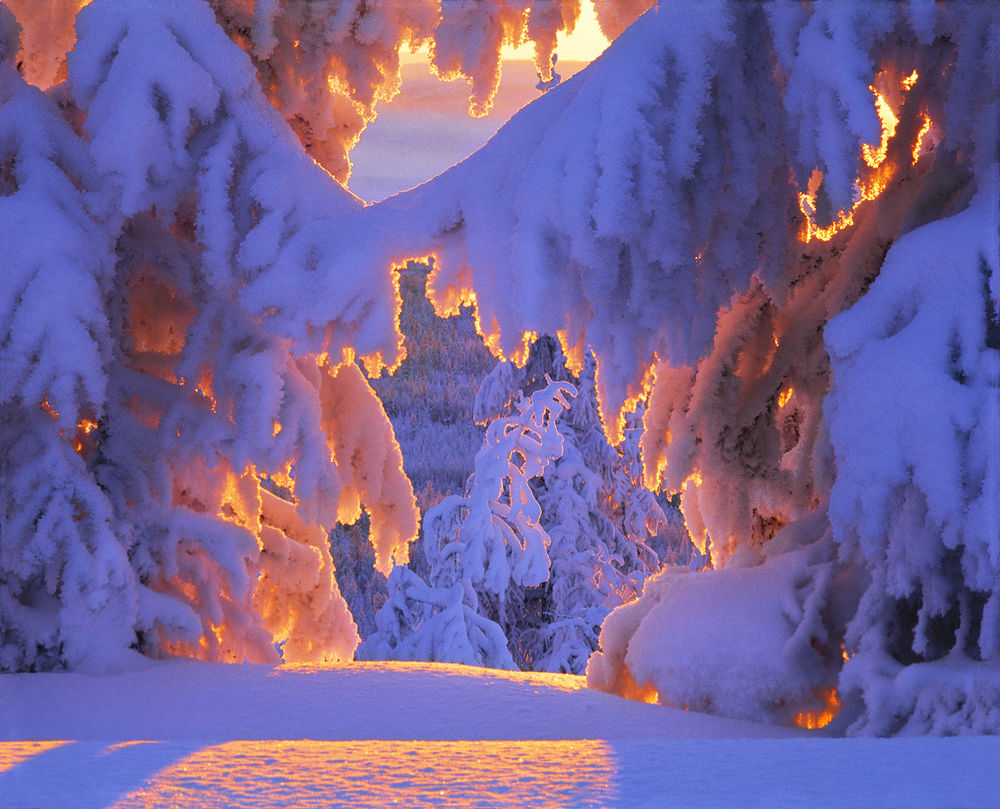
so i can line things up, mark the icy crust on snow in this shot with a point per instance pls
(914, 417)
(325, 66)
(469, 36)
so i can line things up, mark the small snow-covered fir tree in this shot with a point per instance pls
(596, 511)
(478, 546)
(595, 516)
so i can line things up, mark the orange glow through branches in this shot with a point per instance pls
(823, 715)
(873, 180)
(84, 442)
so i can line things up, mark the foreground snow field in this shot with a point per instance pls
(186, 734)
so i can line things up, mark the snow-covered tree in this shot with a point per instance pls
(65, 581)
(478, 546)
(915, 420)
(596, 511)
(179, 345)
(739, 209)
(695, 207)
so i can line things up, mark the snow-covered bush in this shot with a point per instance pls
(594, 511)
(599, 517)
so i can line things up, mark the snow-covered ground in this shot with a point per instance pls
(187, 734)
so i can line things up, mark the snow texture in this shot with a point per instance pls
(189, 734)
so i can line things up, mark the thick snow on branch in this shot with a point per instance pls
(182, 334)
(470, 35)
(54, 336)
(914, 417)
(66, 589)
(614, 16)
(326, 65)
(590, 197)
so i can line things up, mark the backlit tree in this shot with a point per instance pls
(734, 208)
(179, 350)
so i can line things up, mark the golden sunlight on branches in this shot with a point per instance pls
(448, 302)
(361, 440)
(376, 363)
(613, 413)
(53, 413)
(84, 441)
(573, 351)
(821, 716)
(878, 171)
(46, 38)
(919, 147)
